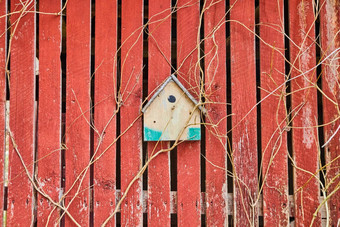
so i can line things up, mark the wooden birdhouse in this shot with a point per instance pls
(172, 113)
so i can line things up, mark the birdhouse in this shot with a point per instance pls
(172, 113)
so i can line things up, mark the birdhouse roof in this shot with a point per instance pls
(180, 85)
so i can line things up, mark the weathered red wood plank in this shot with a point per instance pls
(274, 135)
(49, 110)
(188, 153)
(3, 23)
(243, 99)
(22, 115)
(104, 114)
(215, 86)
(77, 128)
(131, 93)
(330, 40)
(304, 106)
(159, 70)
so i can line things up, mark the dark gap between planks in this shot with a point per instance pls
(118, 144)
(145, 89)
(258, 93)
(321, 137)
(63, 106)
(118, 73)
(173, 153)
(203, 131)
(144, 95)
(230, 181)
(92, 109)
(288, 98)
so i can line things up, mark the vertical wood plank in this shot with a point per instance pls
(77, 128)
(188, 153)
(131, 93)
(274, 135)
(330, 40)
(22, 115)
(104, 114)
(49, 110)
(159, 69)
(243, 99)
(3, 27)
(215, 86)
(304, 106)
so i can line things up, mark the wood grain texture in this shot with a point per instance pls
(104, 113)
(188, 153)
(77, 128)
(243, 99)
(49, 110)
(3, 27)
(22, 115)
(330, 40)
(215, 86)
(131, 93)
(273, 133)
(304, 106)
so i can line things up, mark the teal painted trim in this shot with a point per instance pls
(194, 134)
(151, 135)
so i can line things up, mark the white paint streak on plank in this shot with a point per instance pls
(173, 203)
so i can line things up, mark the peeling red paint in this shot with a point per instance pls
(304, 102)
(330, 40)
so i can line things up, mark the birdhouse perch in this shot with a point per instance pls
(172, 113)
